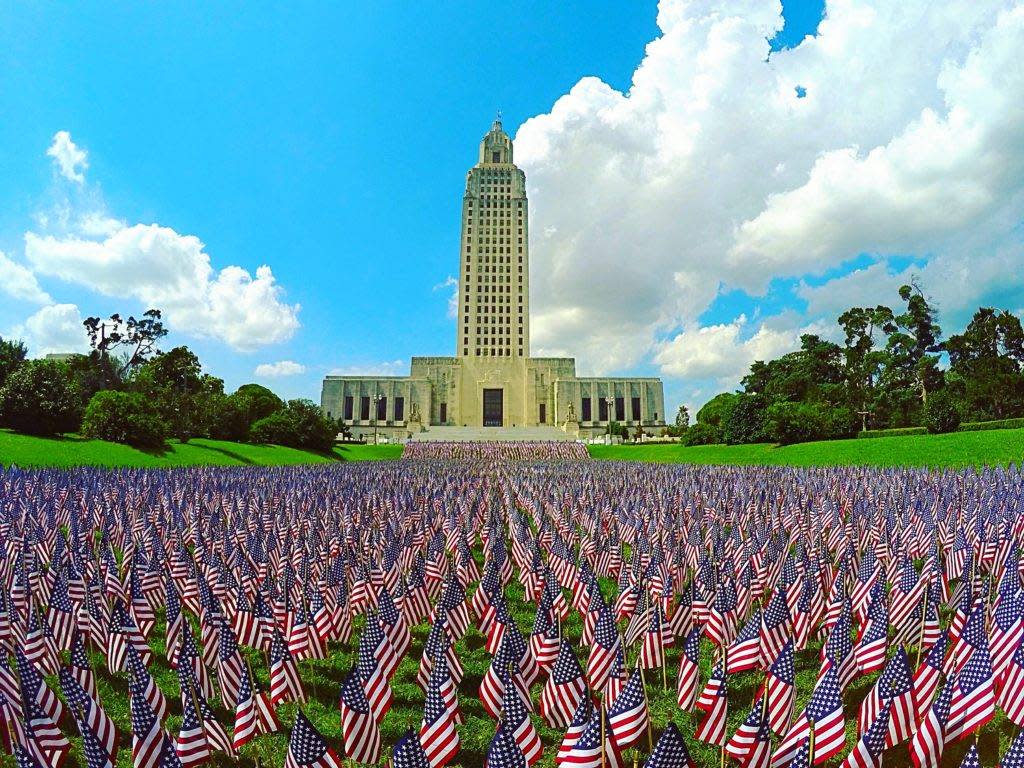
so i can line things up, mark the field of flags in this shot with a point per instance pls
(422, 613)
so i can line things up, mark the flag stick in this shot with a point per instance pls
(601, 715)
(924, 617)
(647, 703)
(810, 746)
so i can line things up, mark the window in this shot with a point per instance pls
(495, 157)
(636, 409)
(620, 409)
(443, 412)
(399, 409)
(364, 408)
(585, 409)
(602, 409)
(347, 411)
(382, 409)
(543, 413)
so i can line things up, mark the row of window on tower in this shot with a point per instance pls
(348, 408)
(586, 410)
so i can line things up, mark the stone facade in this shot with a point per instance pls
(492, 381)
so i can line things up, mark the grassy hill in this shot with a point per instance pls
(71, 451)
(957, 449)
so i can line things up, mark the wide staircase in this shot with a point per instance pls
(491, 434)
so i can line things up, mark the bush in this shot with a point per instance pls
(980, 426)
(797, 422)
(941, 414)
(745, 421)
(895, 432)
(124, 417)
(300, 424)
(716, 410)
(228, 418)
(41, 398)
(702, 434)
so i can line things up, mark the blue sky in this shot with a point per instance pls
(330, 143)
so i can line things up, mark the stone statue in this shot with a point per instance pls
(572, 413)
(415, 413)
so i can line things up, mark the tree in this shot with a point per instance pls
(124, 417)
(12, 355)
(257, 401)
(941, 414)
(789, 423)
(300, 424)
(745, 422)
(40, 398)
(683, 417)
(987, 365)
(863, 362)
(715, 412)
(135, 338)
(911, 369)
(182, 394)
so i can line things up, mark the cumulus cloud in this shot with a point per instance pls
(453, 298)
(18, 281)
(56, 328)
(278, 369)
(162, 268)
(71, 161)
(711, 173)
(721, 352)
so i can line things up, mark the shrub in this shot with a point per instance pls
(979, 426)
(702, 434)
(228, 418)
(41, 398)
(797, 422)
(745, 421)
(895, 432)
(300, 424)
(941, 414)
(124, 417)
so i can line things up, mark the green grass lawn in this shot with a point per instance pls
(72, 451)
(957, 449)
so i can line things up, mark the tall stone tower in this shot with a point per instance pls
(494, 264)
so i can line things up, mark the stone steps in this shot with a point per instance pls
(491, 434)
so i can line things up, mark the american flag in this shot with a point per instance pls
(438, 734)
(971, 758)
(930, 737)
(837, 652)
(254, 714)
(516, 721)
(80, 667)
(358, 726)
(893, 692)
(670, 751)
(285, 684)
(652, 651)
(584, 713)
(745, 652)
(1014, 757)
(97, 754)
(824, 716)
(714, 700)
(776, 627)
(93, 716)
(563, 690)
(628, 716)
(1011, 693)
(606, 643)
(307, 748)
(781, 690)
(867, 752)
(504, 752)
(409, 753)
(191, 745)
(926, 680)
(689, 671)
(148, 736)
(973, 702)
(872, 645)
(229, 665)
(544, 639)
(588, 750)
(370, 671)
(750, 745)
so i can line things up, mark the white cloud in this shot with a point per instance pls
(721, 352)
(453, 298)
(386, 368)
(163, 269)
(710, 174)
(18, 281)
(71, 161)
(281, 368)
(56, 328)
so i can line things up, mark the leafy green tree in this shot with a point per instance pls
(300, 424)
(130, 342)
(797, 422)
(864, 362)
(40, 398)
(987, 365)
(182, 394)
(941, 414)
(12, 355)
(746, 420)
(124, 417)
(911, 368)
(702, 433)
(683, 417)
(257, 401)
(715, 412)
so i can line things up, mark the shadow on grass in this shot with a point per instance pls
(240, 458)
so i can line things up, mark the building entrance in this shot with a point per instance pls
(493, 407)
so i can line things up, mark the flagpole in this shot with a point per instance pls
(924, 618)
(725, 677)
(647, 703)
(810, 746)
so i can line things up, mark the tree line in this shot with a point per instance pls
(127, 390)
(893, 369)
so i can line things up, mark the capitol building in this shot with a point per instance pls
(492, 388)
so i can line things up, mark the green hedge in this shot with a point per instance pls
(970, 426)
(896, 432)
(980, 426)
